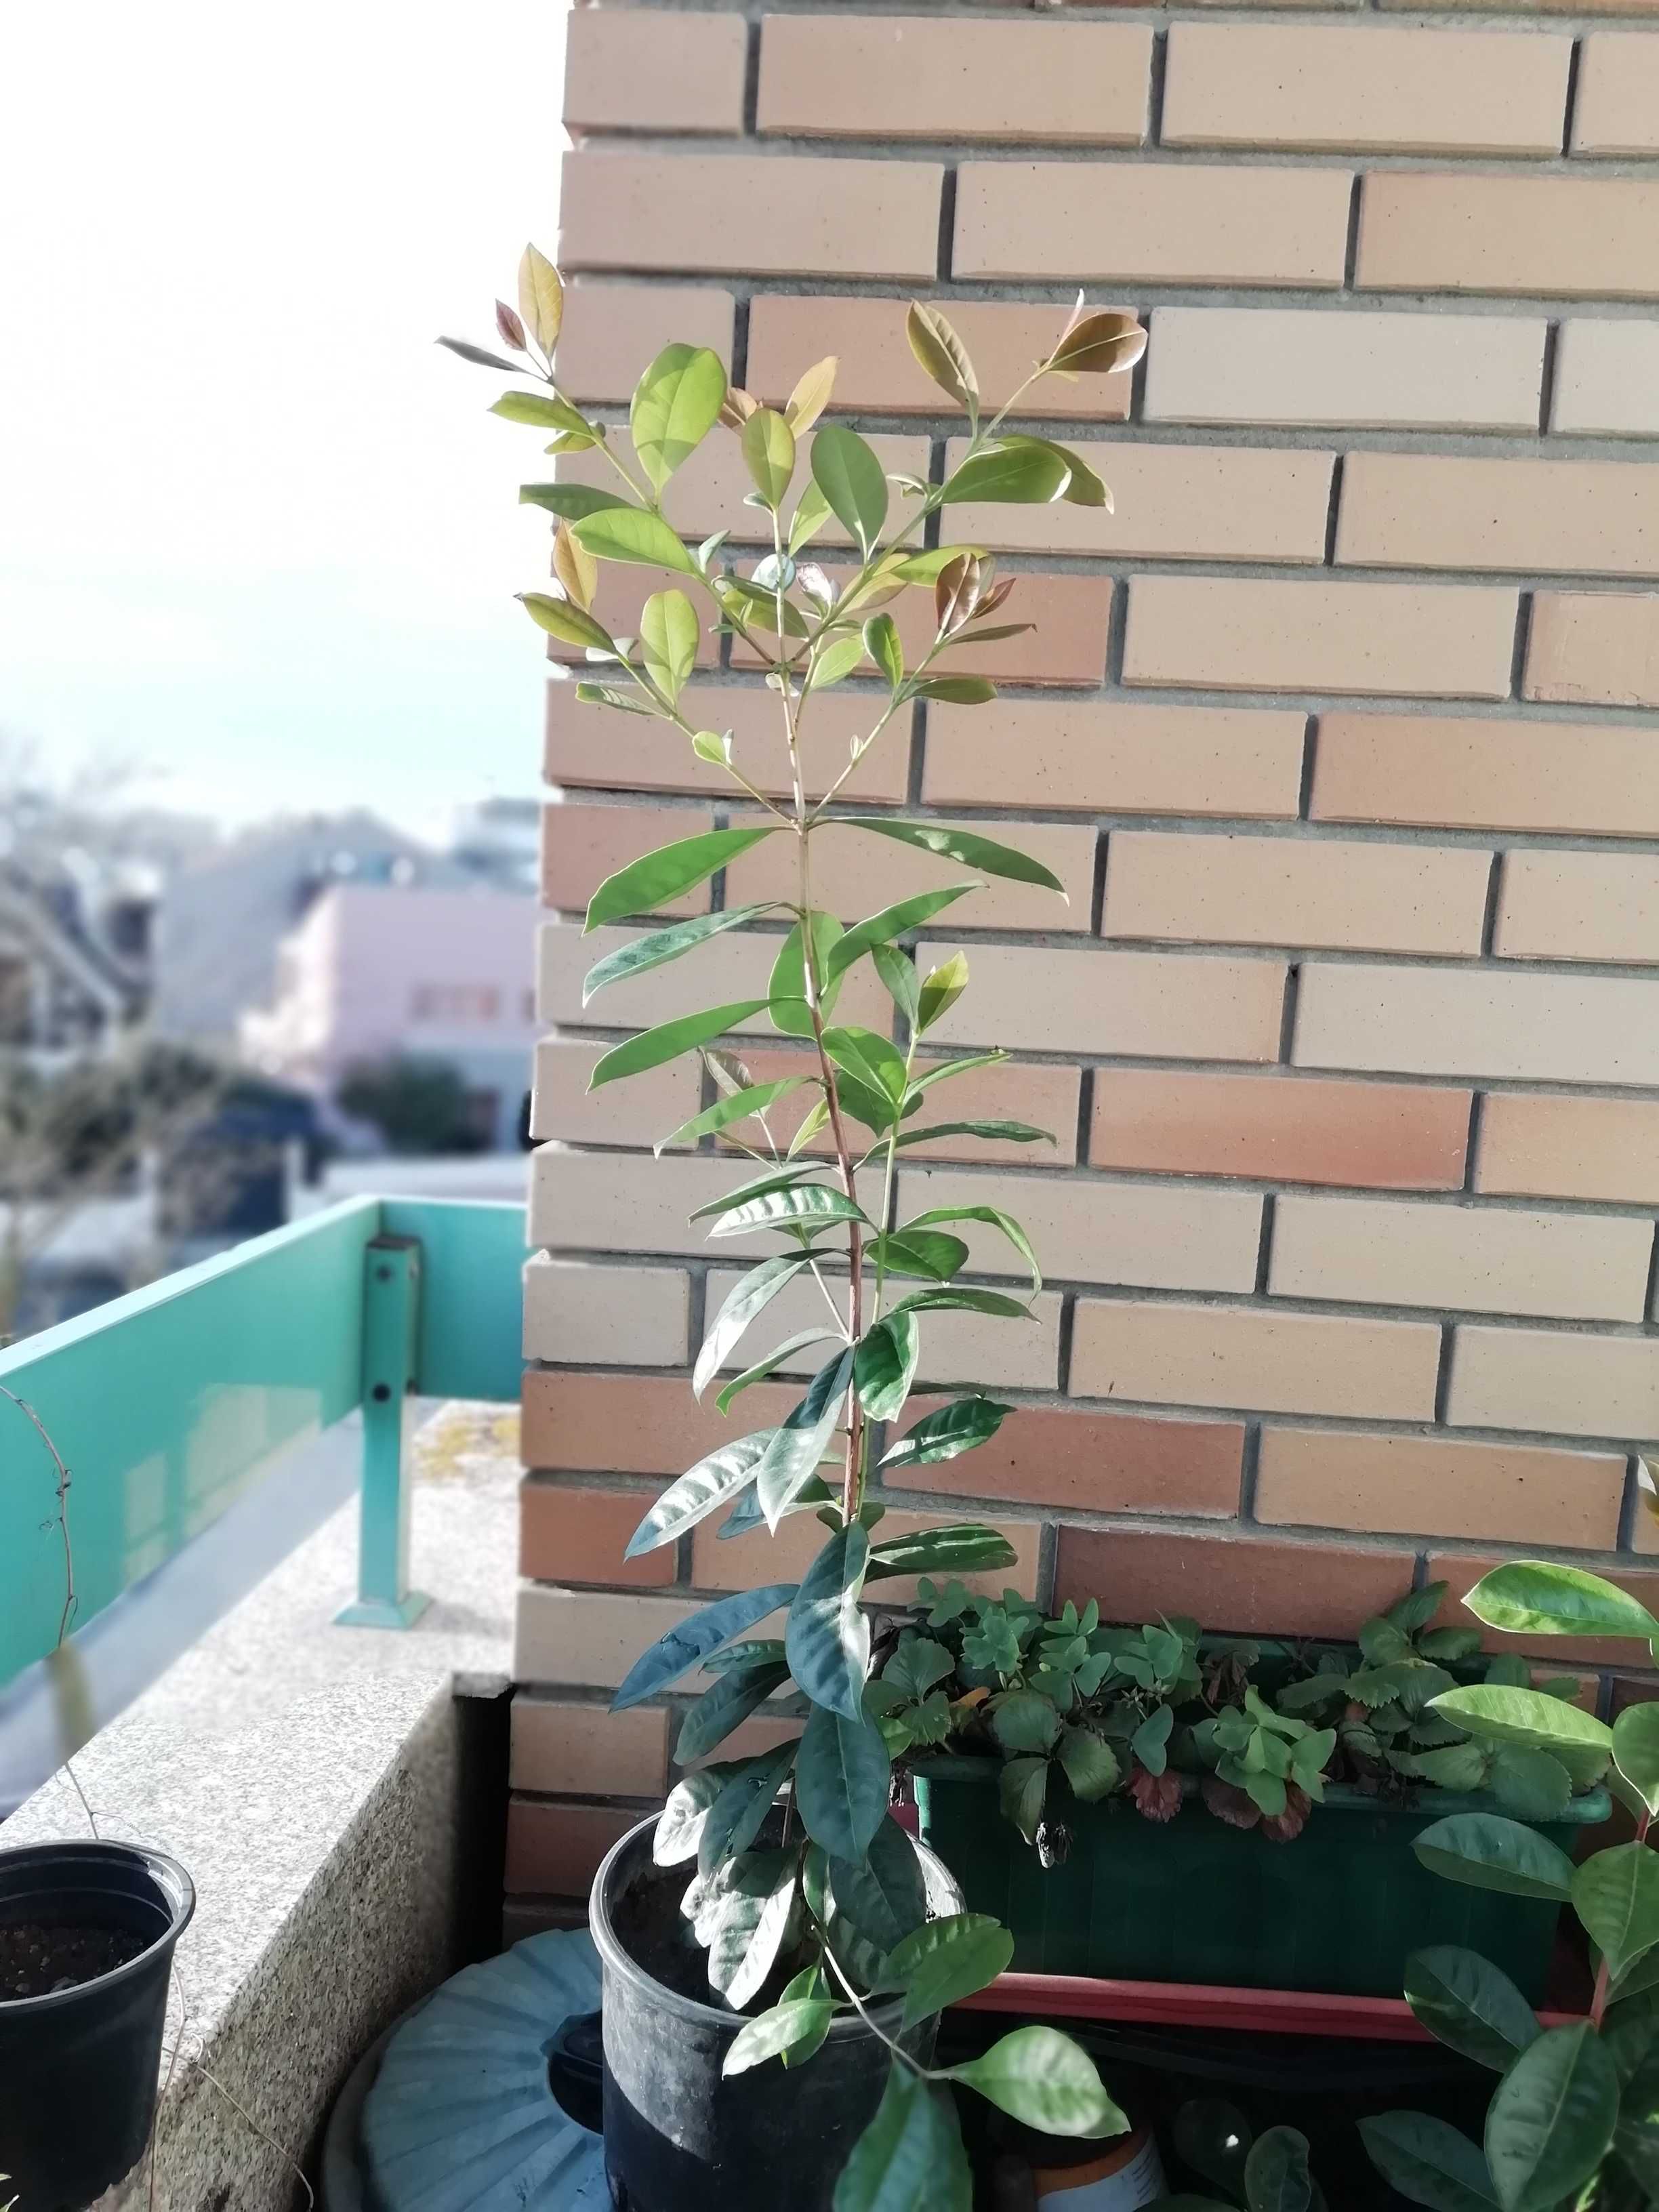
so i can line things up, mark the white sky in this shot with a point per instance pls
(258, 535)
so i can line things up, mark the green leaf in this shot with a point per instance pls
(541, 298)
(942, 355)
(898, 975)
(944, 1072)
(841, 1782)
(893, 921)
(958, 1427)
(1530, 1785)
(685, 1646)
(748, 1297)
(701, 1491)
(1537, 1597)
(655, 878)
(961, 1299)
(768, 452)
(884, 1365)
(571, 501)
(1090, 1765)
(788, 986)
(652, 1048)
(783, 2031)
(881, 642)
(1151, 1741)
(928, 1255)
(770, 1362)
(1008, 1133)
(1040, 2077)
(948, 1960)
(668, 639)
(480, 359)
(676, 403)
(850, 477)
(795, 1451)
(993, 1217)
(959, 691)
(740, 1812)
(565, 620)
(753, 1918)
(963, 1548)
(1428, 2161)
(1027, 474)
(1488, 1852)
(837, 662)
(812, 511)
(628, 533)
(679, 1825)
(1021, 1788)
(1526, 1717)
(870, 1058)
(910, 2157)
(884, 1894)
(1465, 2003)
(737, 1108)
(1636, 1751)
(1276, 2173)
(543, 410)
(805, 1202)
(942, 987)
(659, 946)
(1082, 487)
(1552, 2119)
(1025, 1721)
(724, 1705)
(1616, 1895)
(828, 1637)
(953, 842)
(757, 1187)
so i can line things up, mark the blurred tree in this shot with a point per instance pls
(418, 1105)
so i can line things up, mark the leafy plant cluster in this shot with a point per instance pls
(1261, 2174)
(1573, 2124)
(818, 1906)
(1157, 1711)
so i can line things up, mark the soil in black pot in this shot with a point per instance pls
(36, 1960)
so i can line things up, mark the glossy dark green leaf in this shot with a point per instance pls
(947, 1070)
(910, 2157)
(740, 1812)
(724, 1705)
(793, 1457)
(571, 500)
(841, 1782)
(1023, 1720)
(808, 1203)
(1090, 1763)
(926, 1254)
(1430, 2161)
(1529, 1785)
(784, 2030)
(741, 1106)
(1041, 2077)
(901, 984)
(565, 620)
(958, 1427)
(881, 642)
(1636, 1751)
(1539, 1597)
(689, 1643)
(748, 1297)
(768, 452)
(1488, 1853)
(1276, 2177)
(787, 985)
(991, 1217)
(870, 1058)
(1615, 1894)
(893, 921)
(884, 1365)
(850, 477)
(962, 1548)
(770, 1362)
(656, 947)
(948, 1960)
(701, 1491)
(1465, 2003)
(828, 1637)
(1006, 1133)
(1022, 1787)
(656, 877)
(1552, 2119)
(628, 533)
(675, 404)
(958, 692)
(883, 1894)
(774, 1178)
(953, 842)
(963, 1299)
(652, 1048)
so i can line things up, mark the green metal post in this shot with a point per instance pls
(391, 1319)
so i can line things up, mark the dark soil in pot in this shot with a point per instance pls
(37, 1959)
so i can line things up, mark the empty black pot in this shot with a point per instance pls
(79, 2068)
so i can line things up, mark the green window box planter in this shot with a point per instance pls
(1195, 1900)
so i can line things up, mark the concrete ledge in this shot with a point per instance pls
(338, 1796)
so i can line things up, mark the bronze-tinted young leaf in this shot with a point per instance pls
(575, 569)
(736, 407)
(768, 452)
(569, 624)
(810, 396)
(1100, 345)
(479, 357)
(675, 404)
(942, 355)
(541, 299)
(510, 327)
(957, 589)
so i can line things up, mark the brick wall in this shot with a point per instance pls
(1343, 731)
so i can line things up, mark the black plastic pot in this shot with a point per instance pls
(79, 2068)
(676, 2133)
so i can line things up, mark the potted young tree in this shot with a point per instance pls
(776, 1911)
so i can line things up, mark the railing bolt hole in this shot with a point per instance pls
(381, 1393)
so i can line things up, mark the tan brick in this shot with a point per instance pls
(589, 745)
(583, 845)
(1068, 644)
(588, 1639)
(624, 1202)
(1428, 1487)
(879, 374)
(583, 1750)
(757, 1557)
(1295, 891)
(748, 1740)
(1162, 223)
(1579, 905)
(1397, 1136)
(1592, 237)
(554, 1850)
(1092, 1462)
(1402, 1252)
(1368, 370)
(729, 969)
(568, 1534)
(1268, 1360)
(1374, 90)
(1607, 379)
(1155, 1237)
(1615, 109)
(1541, 7)
(1242, 1585)
(611, 331)
(1597, 648)
(1165, 1006)
(1532, 1145)
(854, 872)
(1575, 1385)
(628, 72)
(604, 1316)
(899, 77)
(981, 1349)
(707, 492)
(1238, 634)
(825, 217)
(1487, 775)
(641, 1111)
(1115, 756)
(1174, 503)
(1435, 511)
(1423, 1021)
(632, 1423)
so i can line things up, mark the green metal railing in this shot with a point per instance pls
(168, 1404)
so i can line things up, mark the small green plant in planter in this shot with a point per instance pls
(1574, 2122)
(821, 1908)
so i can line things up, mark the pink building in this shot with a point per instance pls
(381, 969)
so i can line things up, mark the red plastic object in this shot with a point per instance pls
(1192, 2004)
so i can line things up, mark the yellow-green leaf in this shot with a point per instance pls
(942, 353)
(676, 403)
(541, 299)
(768, 450)
(810, 396)
(668, 640)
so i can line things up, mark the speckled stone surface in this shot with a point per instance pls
(308, 1776)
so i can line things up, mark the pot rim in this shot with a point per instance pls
(177, 1890)
(617, 1958)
